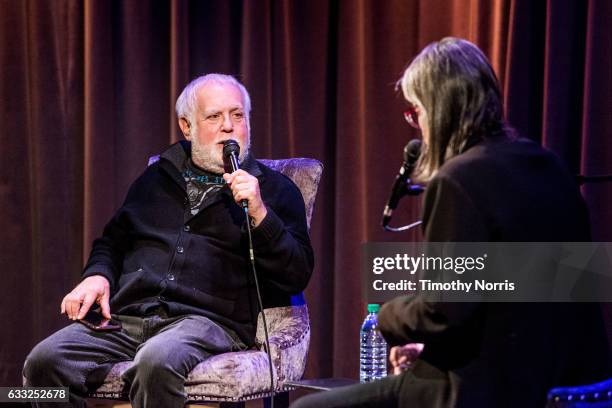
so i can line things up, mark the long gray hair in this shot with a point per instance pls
(454, 83)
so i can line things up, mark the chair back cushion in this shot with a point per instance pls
(305, 173)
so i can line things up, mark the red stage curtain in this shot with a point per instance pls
(88, 90)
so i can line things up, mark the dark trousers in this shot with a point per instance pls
(377, 394)
(422, 386)
(164, 351)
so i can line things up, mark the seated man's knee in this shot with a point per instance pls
(40, 364)
(152, 364)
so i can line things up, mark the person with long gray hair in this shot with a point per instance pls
(483, 183)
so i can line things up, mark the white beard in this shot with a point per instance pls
(208, 158)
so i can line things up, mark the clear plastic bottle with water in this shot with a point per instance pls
(373, 348)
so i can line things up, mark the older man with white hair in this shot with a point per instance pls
(172, 264)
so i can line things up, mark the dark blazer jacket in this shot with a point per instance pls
(499, 354)
(154, 252)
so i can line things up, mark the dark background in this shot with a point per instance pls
(87, 94)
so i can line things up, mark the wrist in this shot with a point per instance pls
(259, 215)
(98, 278)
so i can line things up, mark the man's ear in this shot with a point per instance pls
(185, 127)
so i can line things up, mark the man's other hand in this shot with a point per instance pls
(96, 289)
(401, 357)
(246, 187)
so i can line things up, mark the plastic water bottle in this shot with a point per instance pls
(373, 350)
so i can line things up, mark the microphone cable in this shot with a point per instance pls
(231, 150)
(260, 303)
(403, 228)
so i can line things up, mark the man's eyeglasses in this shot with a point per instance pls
(412, 117)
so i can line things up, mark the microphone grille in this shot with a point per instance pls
(412, 151)
(230, 146)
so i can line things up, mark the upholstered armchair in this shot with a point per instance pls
(233, 378)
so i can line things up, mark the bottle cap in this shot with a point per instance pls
(373, 308)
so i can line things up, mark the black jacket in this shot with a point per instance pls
(500, 354)
(154, 252)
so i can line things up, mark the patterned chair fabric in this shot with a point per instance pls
(244, 375)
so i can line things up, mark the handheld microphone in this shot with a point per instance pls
(231, 151)
(400, 188)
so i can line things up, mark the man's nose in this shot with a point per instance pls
(227, 125)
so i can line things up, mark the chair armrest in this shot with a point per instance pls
(287, 326)
(289, 333)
